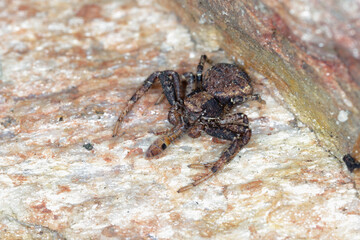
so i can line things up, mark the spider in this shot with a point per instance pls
(204, 107)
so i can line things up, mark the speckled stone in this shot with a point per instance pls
(68, 69)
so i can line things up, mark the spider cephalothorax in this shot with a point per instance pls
(203, 107)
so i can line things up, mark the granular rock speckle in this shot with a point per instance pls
(84, 68)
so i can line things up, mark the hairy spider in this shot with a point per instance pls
(204, 107)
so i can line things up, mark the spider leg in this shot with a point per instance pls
(137, 95)
(199, 72)
(195, 131)
(230, 119)
(254, 97)
(163, 142)
(237, 143)
(170, 82)
(200, 69)
(189, 78)
(174, 117)
(203, 166)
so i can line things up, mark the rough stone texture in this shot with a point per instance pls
(309, 49)
(67, 70)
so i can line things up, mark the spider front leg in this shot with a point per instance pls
(170, 135)
(189, 79)
(137, 95)
(170, 82)
(163, 142)
(239, 140)
(174, 117)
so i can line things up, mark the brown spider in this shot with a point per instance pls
(203, 108)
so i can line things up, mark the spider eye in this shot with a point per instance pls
(163, 146)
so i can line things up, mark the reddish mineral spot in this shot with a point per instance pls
(89, 12)
(41, 208)
(63, 189)
(18, 179)
(29, 10)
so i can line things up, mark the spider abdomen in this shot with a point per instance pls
(226, 82)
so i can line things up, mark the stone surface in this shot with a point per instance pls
(67, 70)
(308, 49)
